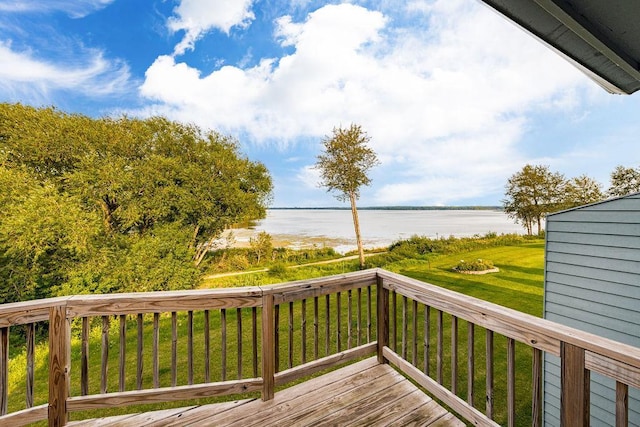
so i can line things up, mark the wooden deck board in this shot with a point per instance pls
(364, 393)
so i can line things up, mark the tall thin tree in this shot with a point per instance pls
(344, 166)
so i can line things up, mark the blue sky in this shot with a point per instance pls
(454, 97)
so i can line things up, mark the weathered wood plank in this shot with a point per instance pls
(104, 362)
(174, 348)
(59, 365)
(198, 414)
(123, 353)
(574, 380)
(207, 347)
(156, 350)
(622, 404)
(21, 313)
(471, 362)
(268, 348)
(190, 347)
(84, 358)
(31, 345)
(318, 365)
(511, 382)
(161, 302)
(303, 330)
(382, 320)
(384, 415)
(424, 415)
(239, 342)
(254, 338)
(471, 414)
(536, 394)
(26, 416)
(489, 373)
(4, 369)
(302, 289)
(295, 398)
(165, 394)
(454, 354)
(223, 344)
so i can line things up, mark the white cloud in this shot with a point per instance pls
(73, 8)
(196, 17)
(36, 78)
(445, 102)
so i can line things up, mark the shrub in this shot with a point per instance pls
(278, 269)
(476, 265)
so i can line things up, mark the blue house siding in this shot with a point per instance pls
(592, 283)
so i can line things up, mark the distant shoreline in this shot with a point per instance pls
(396, 208)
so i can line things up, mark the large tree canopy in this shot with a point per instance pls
(535, 191)
(110, 204)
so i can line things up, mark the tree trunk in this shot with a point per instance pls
(356, 225)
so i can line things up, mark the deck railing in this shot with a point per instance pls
(231, 341)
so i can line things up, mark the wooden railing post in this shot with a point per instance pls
(383, 319)
(268, 348)
(575, 383)
(59, 357)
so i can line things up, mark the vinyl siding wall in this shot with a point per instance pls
(592, 283)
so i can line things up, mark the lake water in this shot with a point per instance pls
(300, 228)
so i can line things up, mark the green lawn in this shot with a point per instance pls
(518, 285)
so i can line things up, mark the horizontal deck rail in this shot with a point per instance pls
(265, 337)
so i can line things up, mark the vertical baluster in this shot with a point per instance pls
(359, 318)
(427, 338)
(31, 343)
(316, 326)
(368, 314)
(156, 350)
(439, 347)
(268, 348)
(489, 373)
(254, 333)
(349, 303)
(622, 404)
(290, 346)
(536, 395)
(190, 347)
(140, 367)
(382, 322)
(174, 349)
(404, 327)
(207, 347)
(511, 382)
(303, 330)
(223, 356)
(471, 361)
(4, 369)
(327, 329)
(454, 354)
(338, 326)
(414, 349)
(276, 336)
(104, 354)
(574, 386)
(394, 317)
(84, 358)
(123, 352)
(239, 330)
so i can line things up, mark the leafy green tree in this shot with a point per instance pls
(531, 194)
(262, 245)
(344, 165)
(624, 181)
(582, 191)
(115, 203)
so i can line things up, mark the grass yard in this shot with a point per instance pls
(518, 285)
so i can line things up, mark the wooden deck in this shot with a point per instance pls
(364, 393)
